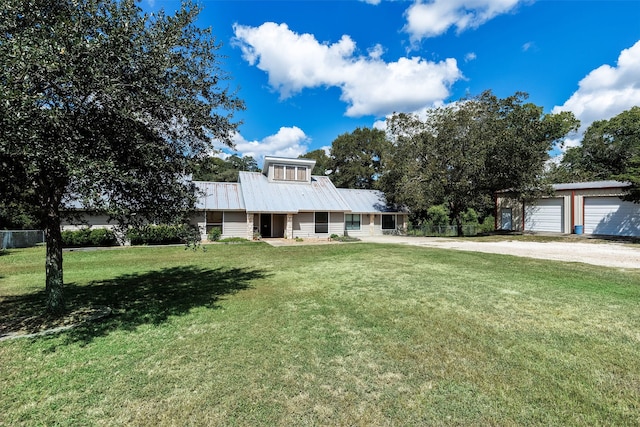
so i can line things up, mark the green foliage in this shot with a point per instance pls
(460, 154)
(488, 225)
(162, 234)
(345, 238)
(221, 170)
(105, 108)
(322, 161)
(214, 234)
(610, 149)
(355, 160)
(88, 237)
(438, 215)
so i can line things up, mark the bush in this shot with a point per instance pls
(214, 234)
(163, 234)
(488, 225)
(88, 237)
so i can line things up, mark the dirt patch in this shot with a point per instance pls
(618, 255)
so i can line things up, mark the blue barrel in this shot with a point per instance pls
(578, 229)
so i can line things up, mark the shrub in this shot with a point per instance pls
(88, 237)
(214, 234)
(488, 225)
(163, 234)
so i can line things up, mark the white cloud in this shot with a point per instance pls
(435, 17)
(369, 85)
(527, 46)
(606, 91)
(373, 2)
(470, 57)
(287, 142)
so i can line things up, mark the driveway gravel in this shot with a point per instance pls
(620, 255)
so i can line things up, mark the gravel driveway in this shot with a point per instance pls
(619, 255)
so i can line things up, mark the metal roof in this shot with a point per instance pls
(590, 185)
(260, 195)
(219, 196)
(366, 201)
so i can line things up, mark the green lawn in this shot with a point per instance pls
(343, 334)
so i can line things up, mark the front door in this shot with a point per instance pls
(265, 225)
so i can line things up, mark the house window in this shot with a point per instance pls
(301, 174)
(289, 173)
(388, 222)
(278, 172)
(214, 220)
(352, 221)
(322, 222)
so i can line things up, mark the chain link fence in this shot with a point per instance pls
(10, 239)
(444, 230)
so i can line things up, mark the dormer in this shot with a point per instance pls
(282, 169)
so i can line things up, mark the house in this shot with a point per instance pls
(585, 207)
(285, 200)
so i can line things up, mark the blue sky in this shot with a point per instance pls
(309, 70)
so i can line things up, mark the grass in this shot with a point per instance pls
(356, 334)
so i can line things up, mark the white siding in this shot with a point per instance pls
(234, 224)
(611, 216)
(545, 215)
(303, 225)
(336, 224)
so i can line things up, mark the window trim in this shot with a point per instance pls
(290, 170)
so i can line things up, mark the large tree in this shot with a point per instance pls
(223, 170)
(462, 153)
(322, 161)
(104, 108)
(355, 158)
(610, 149)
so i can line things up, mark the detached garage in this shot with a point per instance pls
(589, 207)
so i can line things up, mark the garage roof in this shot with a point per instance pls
(590, 185)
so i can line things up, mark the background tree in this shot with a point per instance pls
(462, 153)
(355, 159)
(322, 161)
(223, 170)
(104, 108)
(610, 149)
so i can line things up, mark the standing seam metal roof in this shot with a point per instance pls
(366, 201)
(260, 195)
(220, 196)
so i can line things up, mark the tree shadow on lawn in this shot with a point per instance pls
(126, 301)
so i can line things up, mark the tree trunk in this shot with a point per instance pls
(459, 229)
(53, 264)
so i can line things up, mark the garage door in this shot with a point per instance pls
(545, 215)
(611, 216)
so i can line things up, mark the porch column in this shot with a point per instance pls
(288, 234)
(372, 224)
(249, 226)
